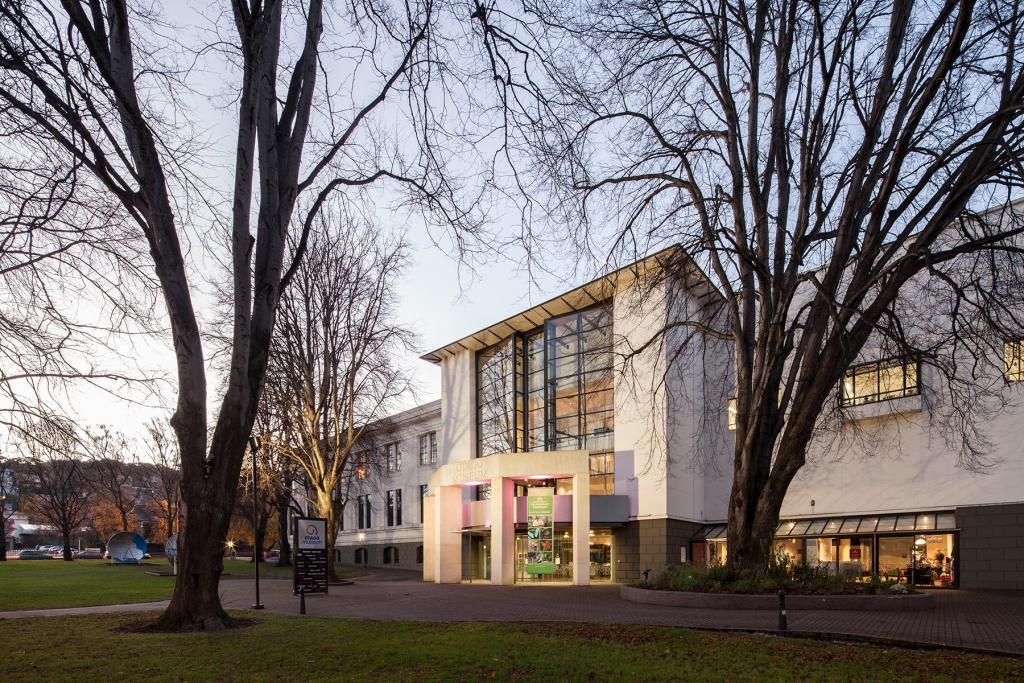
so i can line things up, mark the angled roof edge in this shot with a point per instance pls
(583, 296)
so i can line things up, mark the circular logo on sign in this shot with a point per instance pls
(310, 529)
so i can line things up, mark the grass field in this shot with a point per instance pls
(42, 584)
(308, 648)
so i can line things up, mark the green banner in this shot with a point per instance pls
(540, 531)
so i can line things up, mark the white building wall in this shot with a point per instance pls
(458, 407)
(897, 462)
(698, 386)
(640, 437)
(408, 426)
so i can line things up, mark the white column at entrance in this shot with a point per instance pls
(581, 529)
(447, 539)
(503, 532)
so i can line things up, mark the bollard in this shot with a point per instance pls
(782, 610)
(302, 602)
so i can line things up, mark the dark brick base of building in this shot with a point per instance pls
(991, 546)
(410, 555)
(649, 544)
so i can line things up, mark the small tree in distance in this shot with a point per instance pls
(8, 485)
(164, 486)
(61, 495)
(112, 473)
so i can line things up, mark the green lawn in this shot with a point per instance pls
(309, 648)
(41, 584)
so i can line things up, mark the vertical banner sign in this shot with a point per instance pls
(310, 555)
(540, 530)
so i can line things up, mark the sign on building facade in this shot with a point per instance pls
(540, 530)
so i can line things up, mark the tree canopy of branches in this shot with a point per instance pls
(815, 159)
(60, 493)
(329, 99)
(335, 360)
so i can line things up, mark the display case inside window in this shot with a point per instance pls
(880, 381)
(789, 551)
(1013, 360)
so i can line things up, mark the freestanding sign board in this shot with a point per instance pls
(540, 530)
(310, 545)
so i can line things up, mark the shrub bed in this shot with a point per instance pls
(794, 580)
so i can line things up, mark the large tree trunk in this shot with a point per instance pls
(67, 547)
(195, 602)
(284, 559)
(760, 483)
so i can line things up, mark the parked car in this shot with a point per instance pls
(90, 554)
(34, 555)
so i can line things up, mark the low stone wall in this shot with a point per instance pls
(892, 603)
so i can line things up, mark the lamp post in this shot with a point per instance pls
(253, 445)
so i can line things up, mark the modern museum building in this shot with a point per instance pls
(588, 439)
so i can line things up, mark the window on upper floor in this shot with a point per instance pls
(498, 370)
(731, 411)
(428, 448)
(881, 380)
(362, 461)
(365, 511)
(552, 389)
(1013, 360)
(392, 457)
(394, 503)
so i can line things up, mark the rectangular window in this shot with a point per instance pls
(731, 412)
(394, 499)
(580, 400)
(362, 465)
(423, 502)
(880, 381)
(1013, 357)
(365, 512)
(393, 457)
(428, 448)
(498, 389)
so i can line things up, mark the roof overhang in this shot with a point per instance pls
(582, 297)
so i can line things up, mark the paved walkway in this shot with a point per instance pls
(97, 609)
(985, 621)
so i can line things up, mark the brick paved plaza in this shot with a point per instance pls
(967, 619)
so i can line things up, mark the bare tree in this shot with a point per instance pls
(164, 489)
(8, 487)
(278, 473)
(817, 161)
(85, 86)
(111, 472)
(335, 359)
(60, 493)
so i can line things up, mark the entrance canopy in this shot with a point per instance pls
(443, 510)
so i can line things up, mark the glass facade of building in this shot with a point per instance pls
(914, 548)
(552, 389)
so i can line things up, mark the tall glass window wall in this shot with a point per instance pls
(552, 389)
